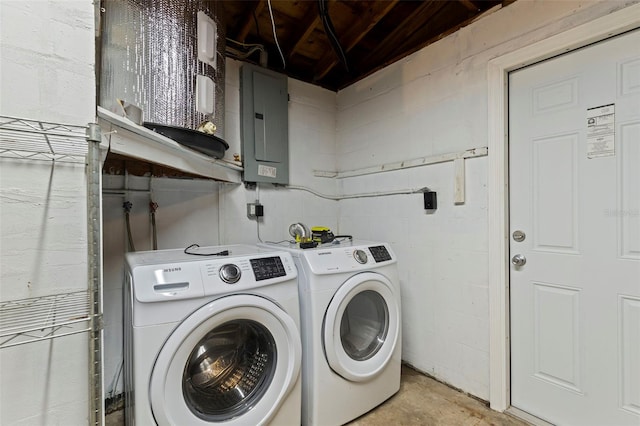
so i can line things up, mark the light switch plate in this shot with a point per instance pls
(207, 39)
(205, 95)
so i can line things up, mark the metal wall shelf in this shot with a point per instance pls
(38, 140)
(124, 137)
(40, 318)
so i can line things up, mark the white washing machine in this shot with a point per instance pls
(212, 340)
(351, 329)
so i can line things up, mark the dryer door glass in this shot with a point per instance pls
(361, 329)
(229, 370)
(364, 325)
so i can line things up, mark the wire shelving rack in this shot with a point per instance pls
(56, 315)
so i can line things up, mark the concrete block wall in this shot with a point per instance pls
(48, 57)
(435, 102)
(442, 260)
(46, 73)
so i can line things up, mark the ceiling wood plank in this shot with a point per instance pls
(355, 34)
(470, 5)
(309, 23)
(248, 21)
(404, 30)
(417, 47)
(439, 21)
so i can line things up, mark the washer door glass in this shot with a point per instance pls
(233, 361)
(364, 325)
(229, 370)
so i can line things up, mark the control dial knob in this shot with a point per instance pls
(360, 256)
(230, 273)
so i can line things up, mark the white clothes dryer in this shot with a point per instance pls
(212, 340)
(351, 329)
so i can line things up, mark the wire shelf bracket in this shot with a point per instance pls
(42, 318)
(39, 140)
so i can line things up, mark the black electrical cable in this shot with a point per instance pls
(220, 253)
(331, 32)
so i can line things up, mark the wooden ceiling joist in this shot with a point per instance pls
(249, 20)
(403, 32)
(309, 23)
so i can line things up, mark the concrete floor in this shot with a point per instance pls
(420, 401)
(425, 401)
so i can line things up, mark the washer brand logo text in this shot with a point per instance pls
(324, 253)
(176, 269)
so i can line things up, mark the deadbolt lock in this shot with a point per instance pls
(519, 236)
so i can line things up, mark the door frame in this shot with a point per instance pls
(599, 29)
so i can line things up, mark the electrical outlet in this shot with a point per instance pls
(255, 210)
(251, 210)
(430, 200)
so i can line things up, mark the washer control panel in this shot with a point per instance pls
(172, 274)
(246, 272)
(265, 268)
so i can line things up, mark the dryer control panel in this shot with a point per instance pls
(268, 267)
(380, 253)
(333, 259)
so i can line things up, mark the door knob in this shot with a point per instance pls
(518, 260)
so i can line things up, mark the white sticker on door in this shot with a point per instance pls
(601, 131)
(267, 171)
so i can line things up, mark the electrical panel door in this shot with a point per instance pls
(265, 125)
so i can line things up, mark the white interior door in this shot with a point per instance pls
(574, 179)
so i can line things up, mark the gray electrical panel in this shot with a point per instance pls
(264, 107)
